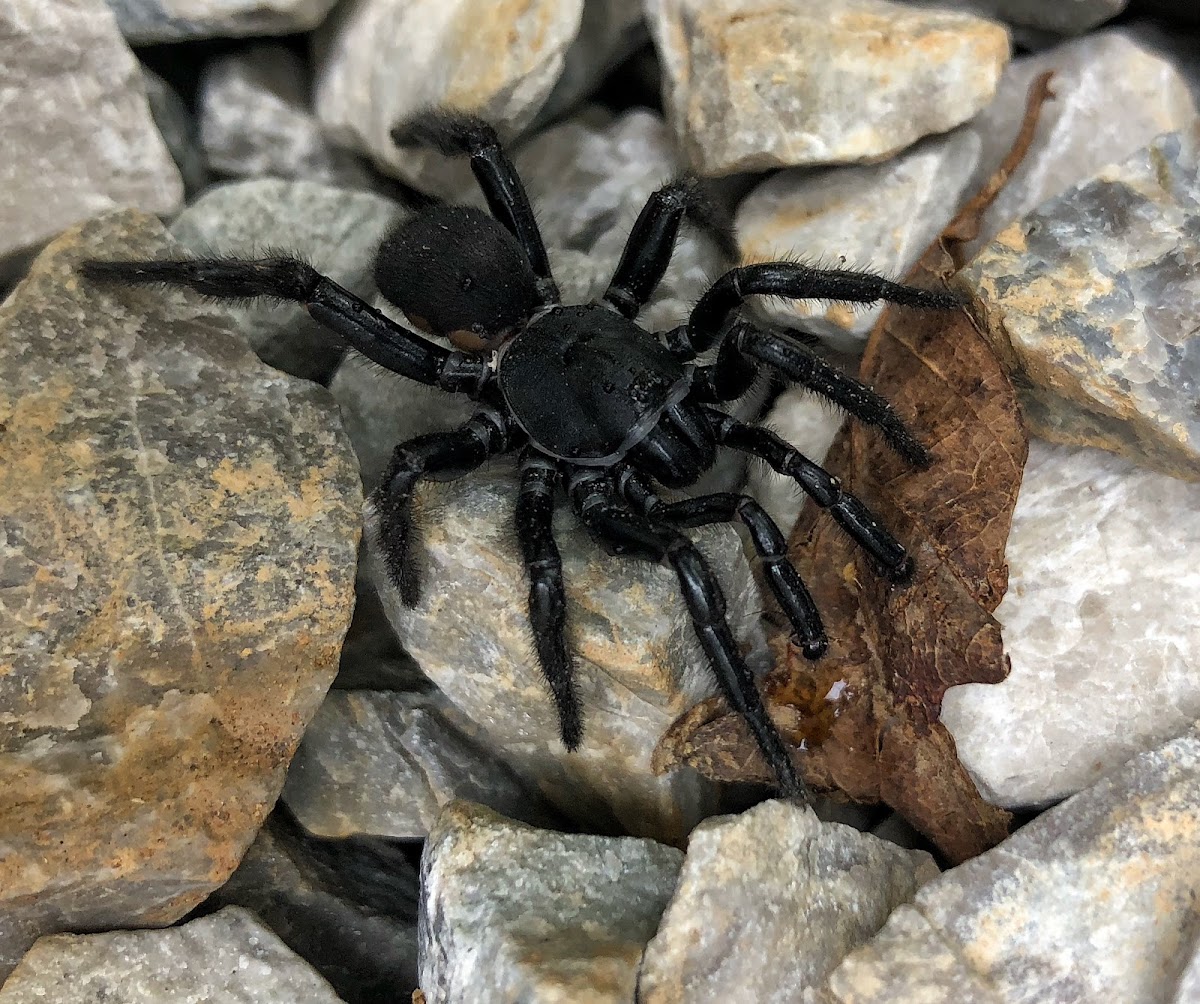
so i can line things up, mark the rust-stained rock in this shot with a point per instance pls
(755, 84)
(180, 525)
(1093, 303)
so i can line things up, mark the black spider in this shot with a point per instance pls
(595, 403)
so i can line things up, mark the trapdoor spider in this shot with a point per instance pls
(596, 405)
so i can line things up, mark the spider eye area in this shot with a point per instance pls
(479, 341)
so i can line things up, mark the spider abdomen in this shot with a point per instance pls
(588, 385)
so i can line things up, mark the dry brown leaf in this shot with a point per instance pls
(893, 652)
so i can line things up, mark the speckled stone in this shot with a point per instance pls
(145, 22)
(880, 217)
(78, 134)
(1095, 900)
(1093, 303)
(1101, 621)
(769, 902)
(179, 130)
(510, 913)
(754, 84)
(179, 534)
(229, 957)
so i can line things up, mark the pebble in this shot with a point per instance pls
(228, 957)
(148, 22)
(1093, 302)
(512, 913)
(78, 134)
(181, 524)
(1101, 624)
(768, 902)
(750, 85)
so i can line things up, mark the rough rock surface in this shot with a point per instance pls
(880, 217)
(638, 662)
(78, 135)
(1093, 302)
(174, 120)
(336, 230)
(1095, 900)
(769, 902)
(347, 907)
(144, 22)
(255, 120)
(230, 957)
(180, 525)
(385, 762)
(1101, 621)
(1080, 131)
(753, 84)
(510, 913)
(1068, 18)
(378, 61)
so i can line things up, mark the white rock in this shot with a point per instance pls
(228, 956)
(1067, 17)
(144, 22)
(879, 216)
(1101, 621)
(754, 84)
(78, 135)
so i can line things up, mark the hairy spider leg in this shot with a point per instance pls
(372, 333)
(457, 134)
(651, 242)
(727, 507)
(443, 456)
(824, 489)
(593, 498)
(547, 594)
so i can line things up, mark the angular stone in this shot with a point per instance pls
(335, 229)
(750, 85)
(180, 527)
(637, 659)
(1101, 624)
(769, 902)
(379, 61)
(78, 135)
(510, 913)
(1093, 303)
(179, 130)
(229, 956)
(1113, 93)
(347, 907)
(879, 216)
(1095, 900)
(144, 22)
(385, 763)
(255, 120)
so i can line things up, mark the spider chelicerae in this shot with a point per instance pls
(600, 409)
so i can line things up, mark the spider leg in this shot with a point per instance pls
(593, 497)
(443, 456)
(726, 507)
(456, 134)
(372, 333)
(547, 596)
(651, 242)
(824, 489)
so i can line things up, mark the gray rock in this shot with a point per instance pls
(1071, 17)
(347, 907)
(385, 763)
(335, 229)
(769, 902)
(372, 657)
(1101, 624)
(378, 61)
(1113, 93)
(144, 22)
(1095, 900)
(78, 134)
(181, 525)
(881, 217)
(1092, 302)
(510, 913)
(638, 662)
(179, 131)
(229, 956)
(255, 120)
(750, 85)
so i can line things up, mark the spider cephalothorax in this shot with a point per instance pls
(599, 408)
